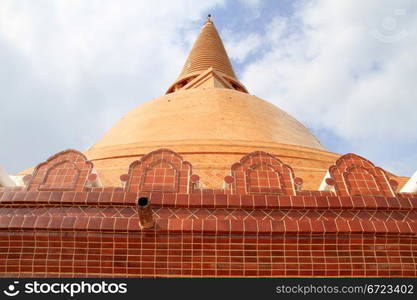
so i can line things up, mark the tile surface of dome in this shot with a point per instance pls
(208, 114)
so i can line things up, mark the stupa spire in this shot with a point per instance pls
(207, 53)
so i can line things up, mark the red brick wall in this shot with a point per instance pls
(80, 254)
(259, 225)
(98, 233)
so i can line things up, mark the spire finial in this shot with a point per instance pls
(207, 55)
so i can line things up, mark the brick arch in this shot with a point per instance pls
(67, 171)
(62, 175)
(355, 175)
(160, 170)
(261, 172)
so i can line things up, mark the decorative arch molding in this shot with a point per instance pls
(161, 175)
(355, 175)
(66, 171)
(63, 175)
(263, 173)
(162, 170)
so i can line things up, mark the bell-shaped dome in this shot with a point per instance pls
(211, 114)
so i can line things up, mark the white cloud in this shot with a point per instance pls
(71, 68)
(239, 47)
(327, 67)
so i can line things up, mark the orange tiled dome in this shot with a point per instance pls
(211, 128)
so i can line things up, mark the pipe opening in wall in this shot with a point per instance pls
(143, 201)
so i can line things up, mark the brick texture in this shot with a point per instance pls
(354, 175)
(262, 173)
(72, 254)
(160, 170)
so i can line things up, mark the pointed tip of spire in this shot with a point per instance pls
(207, 52)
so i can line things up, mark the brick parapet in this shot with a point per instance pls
(115, 197)
(208, 213)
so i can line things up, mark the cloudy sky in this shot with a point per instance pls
(347, 69)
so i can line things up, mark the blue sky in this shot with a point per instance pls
(346, 69)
